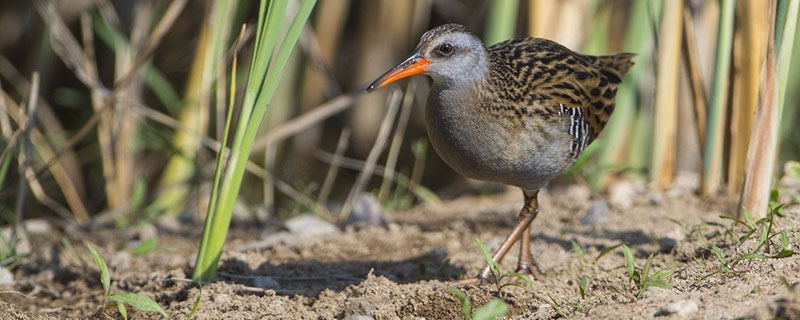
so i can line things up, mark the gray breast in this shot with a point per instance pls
(486, 147)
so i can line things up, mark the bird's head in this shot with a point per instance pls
(450, 54)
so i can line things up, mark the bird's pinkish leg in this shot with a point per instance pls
(526, 264)
(526, 216)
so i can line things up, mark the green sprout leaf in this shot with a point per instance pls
(138, 301)
(145, 247)
(196, 304)
(606, 251)
(105, 279)
(578, 250)
(466, 305)
(491, 310)
(629, 264)
(720, 255)
(488, 257)
(122, 310)
(582, 284)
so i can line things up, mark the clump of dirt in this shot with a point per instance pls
(403, 270)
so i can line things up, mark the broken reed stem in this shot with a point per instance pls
(713, 162)
(692, 65)
(397, 139)
(762, 151)
(330, 177)
(372, 157)
(662, 167)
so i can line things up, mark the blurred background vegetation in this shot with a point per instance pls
(115, 109)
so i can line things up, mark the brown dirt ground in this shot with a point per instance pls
(402, 271)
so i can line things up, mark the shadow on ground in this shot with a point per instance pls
(312, 277)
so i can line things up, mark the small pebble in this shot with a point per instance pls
(307, 224)
(6, 277)
(265, 283)
(367, 211)
(680, 308)
(597, 213)
(359, 317)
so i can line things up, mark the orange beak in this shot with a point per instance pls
(415, 64)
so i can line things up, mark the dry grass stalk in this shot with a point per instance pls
(692, 64)
(397, 140)
(82, 62)
(194, 113)
(306, 120)
(664, 128)
(374, 153)
(60, 173)
(330, 177)
(748, 55)
(49, 120)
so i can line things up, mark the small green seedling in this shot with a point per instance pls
(498, 272)
(576, 247)
(557, 306)
(764, 228)
(196, 304)
(721, 258)
(489, 311)
(583, 283)
(641, 278)
(138, 301)
(145, 246)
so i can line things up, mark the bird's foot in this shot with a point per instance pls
(530, 268)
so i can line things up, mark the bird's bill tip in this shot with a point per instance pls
(415, 64)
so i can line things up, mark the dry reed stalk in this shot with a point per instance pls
(306, 120)
(215, 145)
(60, 173)
(330, 20)
(692, 64)
(762, 151)
(397, 140)
(81, 62)
(664, 127)
(330, 177)
(385, 26)
(269, 185)
(125, 124)
(374, 153)
(540, 17)
(104, 125)
(194, 113)
(415, 189)
(45, 115)
(748, 54)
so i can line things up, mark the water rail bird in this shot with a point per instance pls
(518, 112)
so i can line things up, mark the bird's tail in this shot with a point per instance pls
(619, 62)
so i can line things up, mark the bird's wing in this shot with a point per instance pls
(539, 74)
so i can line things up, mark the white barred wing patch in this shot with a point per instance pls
(578, 128)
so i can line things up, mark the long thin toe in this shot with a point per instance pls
(530, 268)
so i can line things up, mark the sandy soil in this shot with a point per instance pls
(403, 270)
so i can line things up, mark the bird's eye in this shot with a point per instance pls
(446, 48)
